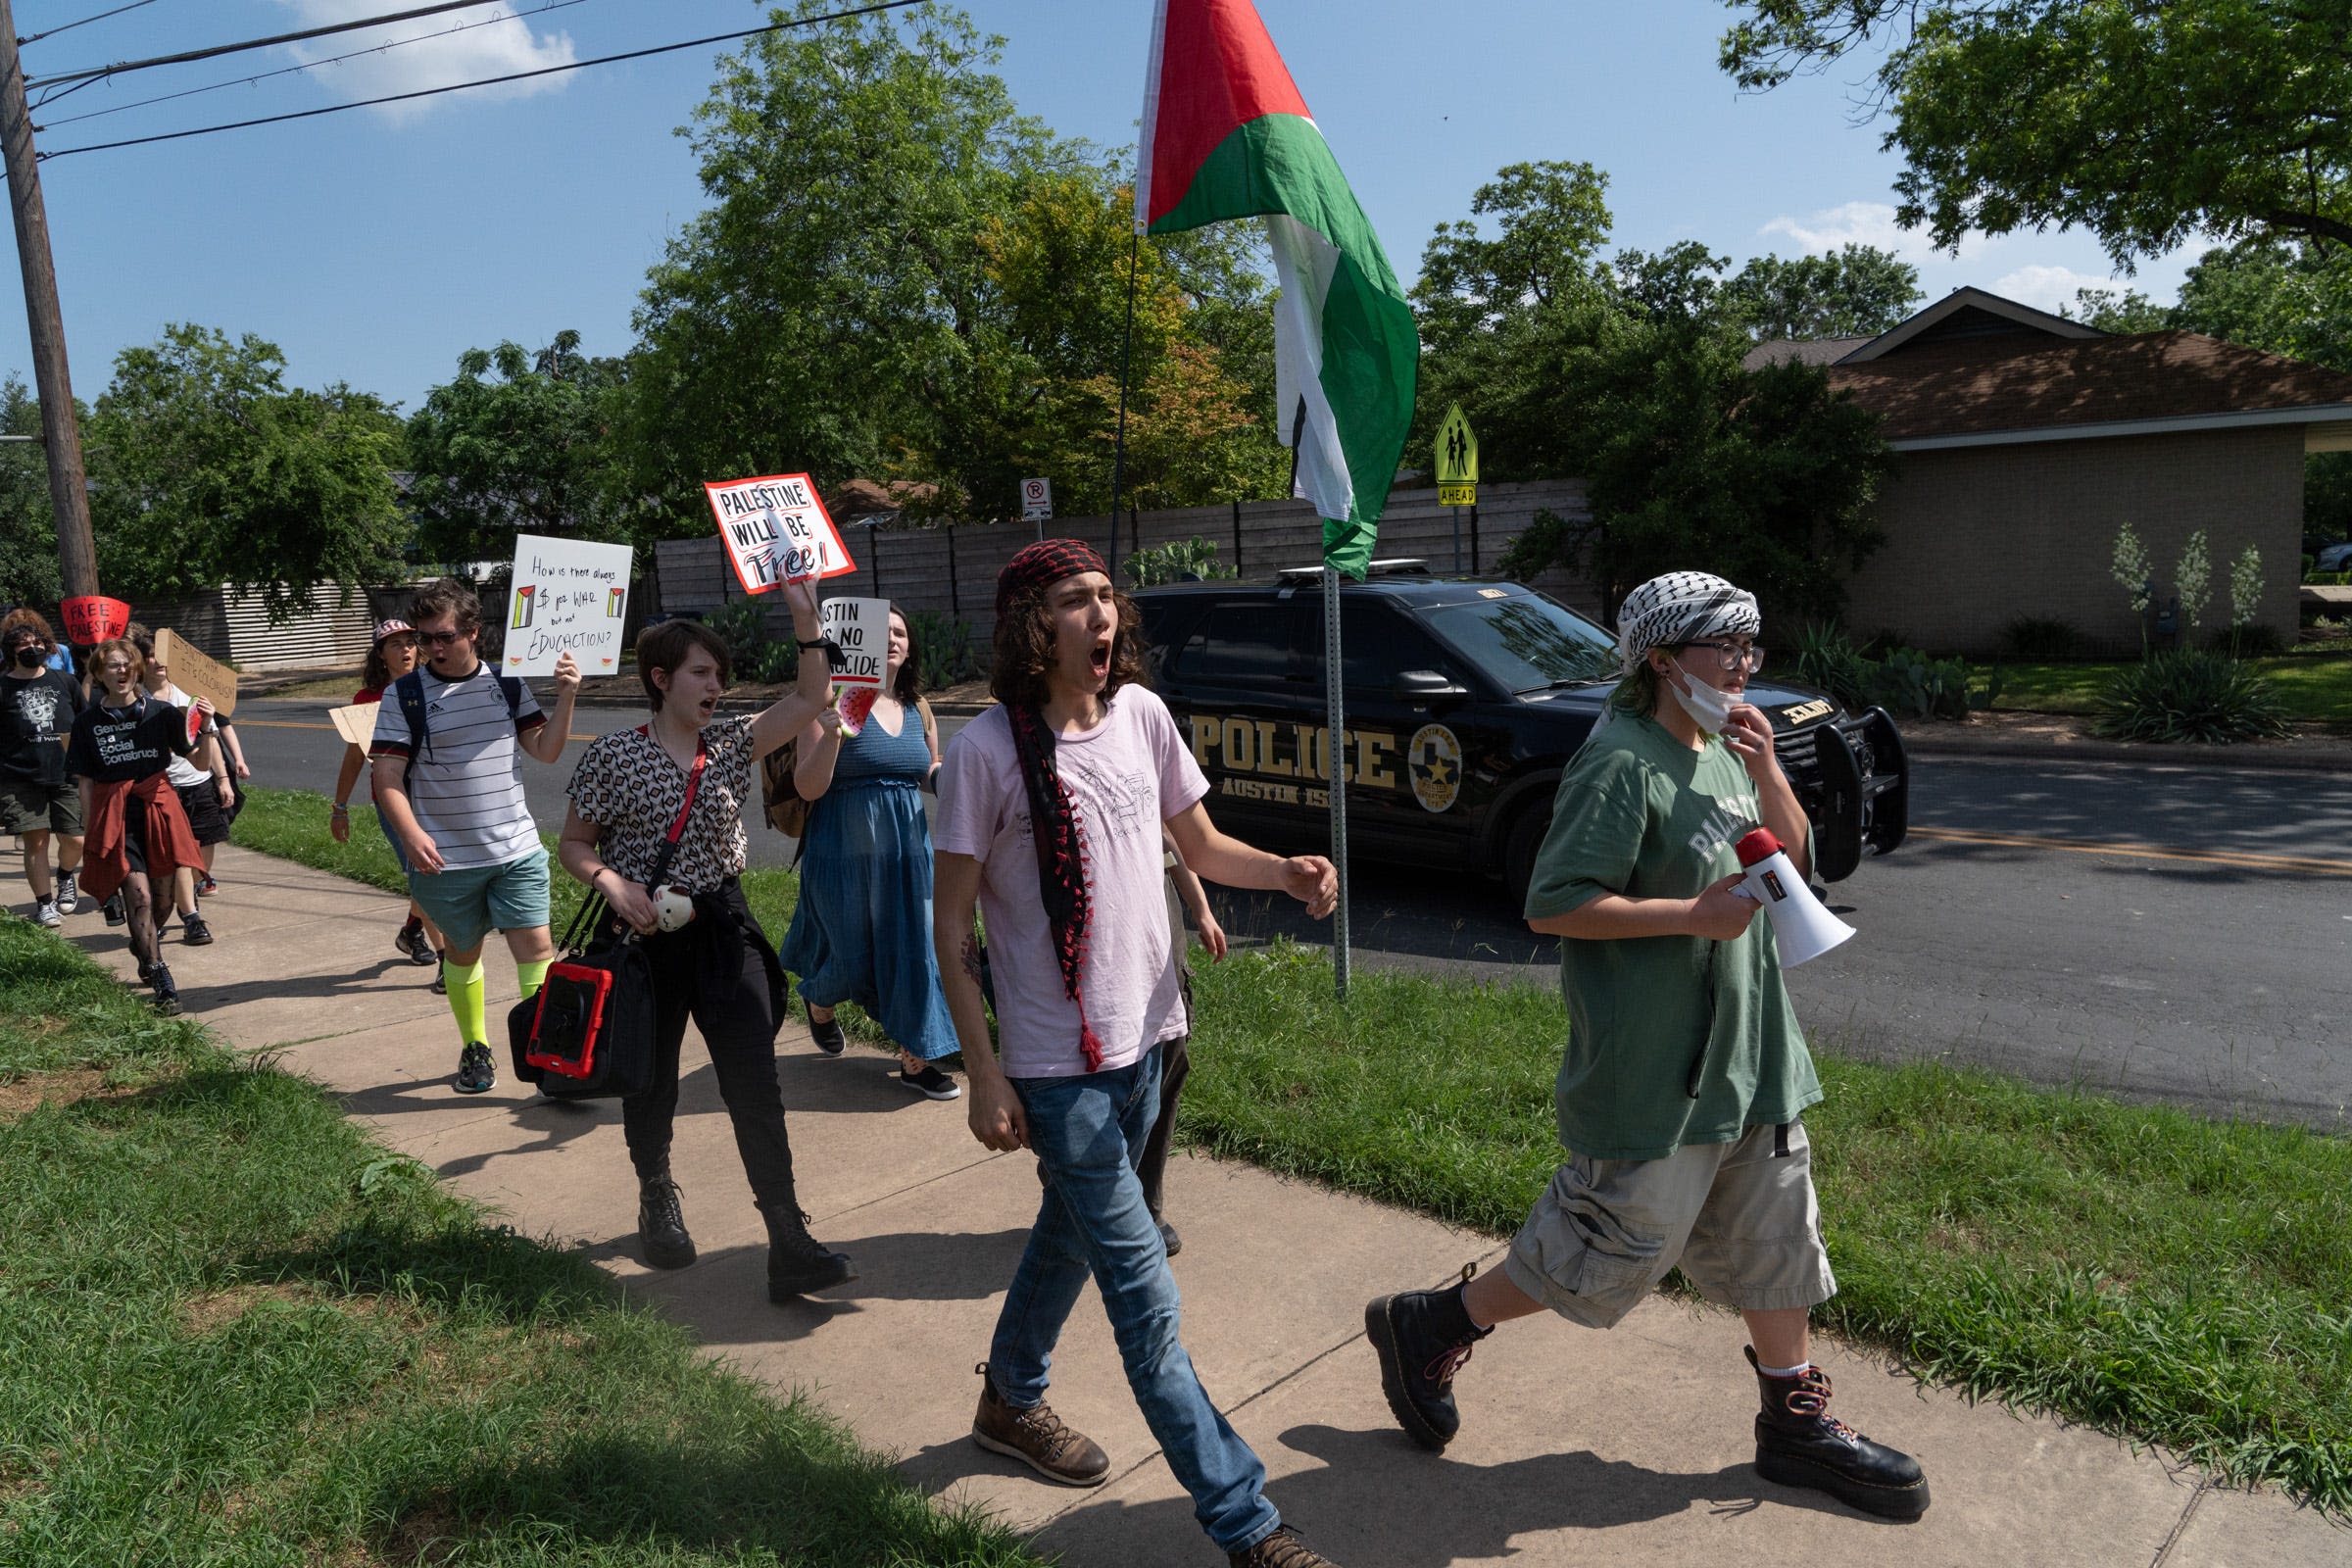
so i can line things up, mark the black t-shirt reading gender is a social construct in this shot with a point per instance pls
(124, 744)
(35, 717)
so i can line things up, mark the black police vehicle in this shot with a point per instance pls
(1465, 702)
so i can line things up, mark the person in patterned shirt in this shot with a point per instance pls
(630, 789)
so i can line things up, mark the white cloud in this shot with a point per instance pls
(1864, 223)
(493, 42)
(2052, 288)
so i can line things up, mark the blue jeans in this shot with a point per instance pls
(1088, 1131)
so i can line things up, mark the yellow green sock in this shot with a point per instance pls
(531, 976)
(465, 982)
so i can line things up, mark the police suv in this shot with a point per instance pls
(1465, 702)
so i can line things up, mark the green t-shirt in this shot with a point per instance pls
(1641, 814)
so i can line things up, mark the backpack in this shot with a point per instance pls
(409, 692)
(780, 797)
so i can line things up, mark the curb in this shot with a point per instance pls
(2112, 751)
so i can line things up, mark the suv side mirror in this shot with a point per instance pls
(1426, 686)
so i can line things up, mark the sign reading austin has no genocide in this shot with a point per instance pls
(768, 521)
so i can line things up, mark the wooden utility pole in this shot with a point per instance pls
(69, 496)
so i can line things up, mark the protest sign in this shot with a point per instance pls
(196, 675)
(861, 628)
(94, 618)
(356, 723)
(776, 527)
(568, 597)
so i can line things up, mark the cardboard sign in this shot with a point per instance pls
(568, 597)
(94, 618)
(776, 528)
(861, 627)
(196, 674)
(356, 723)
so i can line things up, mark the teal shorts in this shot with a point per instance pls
(468, 904)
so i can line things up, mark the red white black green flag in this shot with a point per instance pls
(1226, 134)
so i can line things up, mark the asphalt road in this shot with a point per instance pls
(2173, 933)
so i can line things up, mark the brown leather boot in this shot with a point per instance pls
(1280, 1549)
(1038, 1438)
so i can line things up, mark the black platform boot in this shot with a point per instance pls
(1800, 1445)
(797, 1261)
(1422, 1339)
(661, 1225)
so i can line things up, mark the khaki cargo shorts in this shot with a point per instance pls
(1739, 1218)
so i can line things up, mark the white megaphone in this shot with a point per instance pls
(1803, 928)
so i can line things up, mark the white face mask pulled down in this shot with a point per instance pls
(1709, 707)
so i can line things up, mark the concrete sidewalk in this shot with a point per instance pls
(1576, 1447)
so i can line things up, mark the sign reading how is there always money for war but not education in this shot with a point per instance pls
(568, 597)
(777, 530)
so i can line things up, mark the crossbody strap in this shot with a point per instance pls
(677, 829)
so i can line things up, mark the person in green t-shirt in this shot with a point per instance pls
(1684, 1074)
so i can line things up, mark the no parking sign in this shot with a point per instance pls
(1037, 499)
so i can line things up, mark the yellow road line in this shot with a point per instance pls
(2239, 860)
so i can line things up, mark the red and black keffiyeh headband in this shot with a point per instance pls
(1053, 821)
(1044, 563)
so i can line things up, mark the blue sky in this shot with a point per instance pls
(375, 246)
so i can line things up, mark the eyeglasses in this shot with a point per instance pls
(1731, 655)
(441, 639)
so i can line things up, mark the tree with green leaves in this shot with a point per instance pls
(535, 448)
(206, 470)
(2145, 121)
(1855, 291)
(29, 568)
(1627, 371)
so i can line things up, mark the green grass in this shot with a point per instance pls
(2315, 688)
(2151, 1272)
(2176, 1279)
(232, 1329)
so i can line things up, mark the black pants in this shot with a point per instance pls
(720, 970)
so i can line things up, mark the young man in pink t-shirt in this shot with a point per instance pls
(1050, 813)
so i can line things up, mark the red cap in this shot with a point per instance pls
(1757, 846)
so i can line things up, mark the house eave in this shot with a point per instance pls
(2329, 429)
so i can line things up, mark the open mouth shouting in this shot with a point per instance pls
(1099, 659)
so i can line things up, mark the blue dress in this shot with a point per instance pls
(863, 930)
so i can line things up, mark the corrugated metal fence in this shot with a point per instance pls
(236, 629)
(953, 570)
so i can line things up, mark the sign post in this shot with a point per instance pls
(1036, 503)
(1458, 471)
(568, 597)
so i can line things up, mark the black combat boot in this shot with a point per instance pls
(1422, 1339)
(661, 1224)
(797, 1261)
(1800, 1445)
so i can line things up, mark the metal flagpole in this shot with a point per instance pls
(1334, 753)
(1119, 462)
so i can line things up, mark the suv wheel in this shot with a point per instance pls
(1519, 846)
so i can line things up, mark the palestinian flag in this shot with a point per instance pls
(1226, 134)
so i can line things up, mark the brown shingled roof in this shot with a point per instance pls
(1982, 386)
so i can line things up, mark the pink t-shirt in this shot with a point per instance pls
(1126, 775)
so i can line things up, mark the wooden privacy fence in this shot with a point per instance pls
(953, 569)
(236, 629)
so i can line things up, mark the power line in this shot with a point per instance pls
(184, 58)
(287, 71)
(491, 82)
(69, 26)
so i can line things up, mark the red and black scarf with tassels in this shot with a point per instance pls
(1060, 839)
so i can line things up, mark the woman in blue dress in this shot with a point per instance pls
(863, 930)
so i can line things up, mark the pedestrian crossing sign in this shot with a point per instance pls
(1457, 460)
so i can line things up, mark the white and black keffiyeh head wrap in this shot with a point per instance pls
(1682, 606)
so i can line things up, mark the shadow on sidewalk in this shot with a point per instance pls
(904, 1266)
(1379, 1498)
